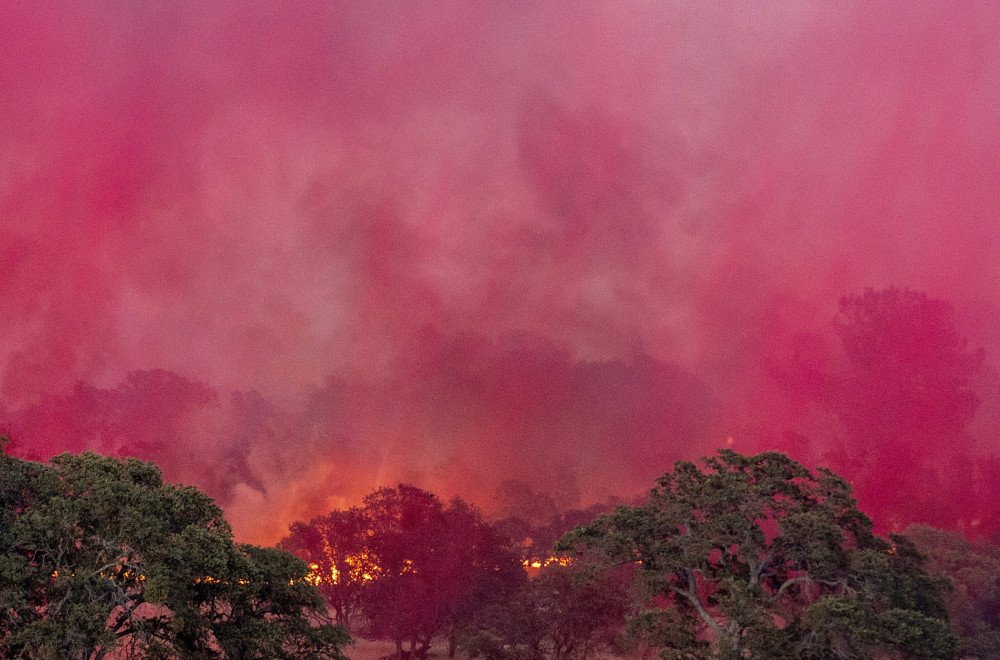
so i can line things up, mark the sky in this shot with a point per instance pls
(293, 253)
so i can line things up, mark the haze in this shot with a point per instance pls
(294, 253)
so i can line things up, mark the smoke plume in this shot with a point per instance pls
(294, 253)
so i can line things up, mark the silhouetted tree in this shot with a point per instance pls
(583, 613)
(903, 391)
(336, 548)
(437, 566)
(911, 372)
(415, 568)
(537, 530)
(566, 612)
(759, 557)
(141, 413)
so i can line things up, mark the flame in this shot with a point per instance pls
(535, 565)
(360, 567)
(208, 579)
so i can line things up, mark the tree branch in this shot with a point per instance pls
(692, 595)
(788, 583)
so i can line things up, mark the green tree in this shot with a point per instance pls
(566, 612)
(757, 557)
(98, 556)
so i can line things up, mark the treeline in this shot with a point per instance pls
(741, 556)
(407, 567)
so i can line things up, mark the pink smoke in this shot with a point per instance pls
(295, 254)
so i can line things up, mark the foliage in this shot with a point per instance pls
(758, 557)
(335, 547)
(537, 536)
(567, 612)
(974, 601)
(98, 554)
(412, 566)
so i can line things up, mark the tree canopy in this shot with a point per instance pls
(98, 556)
(335, 547)
(974, 601)
(566, 612)
(757, 557)
(891, 405)
(410, 566)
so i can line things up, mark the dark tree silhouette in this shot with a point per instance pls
(336, 548)
(413, 567)
(912, 375)
(901, 394)
(566, 612)
(905, 400)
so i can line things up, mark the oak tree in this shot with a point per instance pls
(98, 556)
(756, 556)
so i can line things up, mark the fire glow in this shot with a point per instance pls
(538, 564)
(362, 569)
(294, 256)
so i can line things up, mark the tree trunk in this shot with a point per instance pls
(425, 645)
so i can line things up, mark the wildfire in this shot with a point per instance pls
(548, 561)
(360, 568)
(208, 579)
(532, 566)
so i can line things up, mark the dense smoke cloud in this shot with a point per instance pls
(292, 254)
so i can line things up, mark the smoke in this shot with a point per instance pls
(295, 253)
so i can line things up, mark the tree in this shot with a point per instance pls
(99, 557)
(535, 541)
(758, 557)
(566, 612)
(911, 372)
(437, 566)
(974, 601)
(901, 393)
(335, 547)
(415, 568)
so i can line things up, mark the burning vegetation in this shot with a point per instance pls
(746, 555)
(408, 566)
(537, 250)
